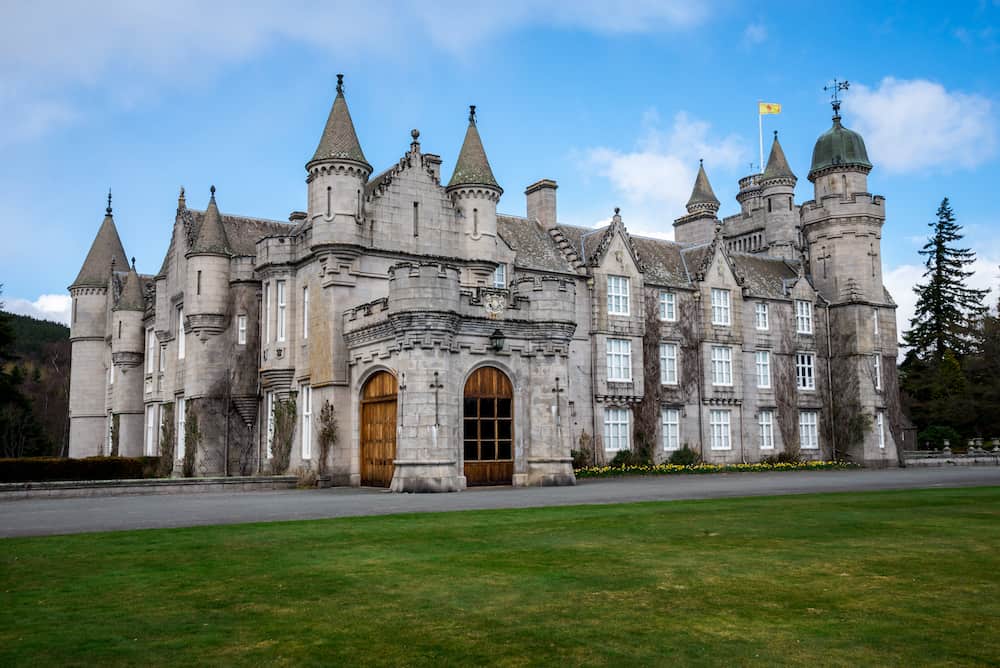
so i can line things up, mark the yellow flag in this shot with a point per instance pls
(768, 108)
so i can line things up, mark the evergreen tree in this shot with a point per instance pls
(948, 313)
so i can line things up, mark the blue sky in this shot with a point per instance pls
(617, 105)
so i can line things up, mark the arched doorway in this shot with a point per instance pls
(378, 429)
(489, 428)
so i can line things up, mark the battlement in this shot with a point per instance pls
(855, 204)
(548, 297)
(424, 286)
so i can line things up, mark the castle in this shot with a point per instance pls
(457, 346)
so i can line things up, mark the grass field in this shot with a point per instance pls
(890, 578)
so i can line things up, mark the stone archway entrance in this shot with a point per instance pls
(488, 428)
(378, 429)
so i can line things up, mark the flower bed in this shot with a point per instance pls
(677, 469)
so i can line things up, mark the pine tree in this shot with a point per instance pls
(948, 313)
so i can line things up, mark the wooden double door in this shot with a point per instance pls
(378, 430)
(488, 429)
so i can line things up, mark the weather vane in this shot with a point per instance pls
(834, 89)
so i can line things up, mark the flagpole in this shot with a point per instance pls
(760, 136)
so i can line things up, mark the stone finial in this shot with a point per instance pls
(181, 201)
(415, 144)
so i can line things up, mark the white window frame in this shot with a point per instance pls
(805, 371)
(150, 350)
(765, 429)
(619, 354)
(111, 374)
(149, 446)
(305, 398)
(269, 421)
(721, 307)
(668, 306)
(722, 366)
(280, 300)
(761, 320)
(720, 426)
(670, 423)
(305, 312)
(500, 276)
(181, 352)
(668, 363)
(762, 362)
(875, 320)
(616, 429)
(163, 358)
(267, 312)
(180, 405)
(877, 370)
(803, 316)
(809, 430)
(880, 424)
(241, 329)
(618, 295)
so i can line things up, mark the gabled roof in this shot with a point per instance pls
(763, 276)
(339, 140)
(211, 235)
(472, 166)
(107, 248)
(534, 249)
(777, 164)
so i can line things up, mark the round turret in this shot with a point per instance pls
(423, 286)
(837, 148)
(475, 192)
(206, 289)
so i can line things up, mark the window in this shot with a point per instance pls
(617, 295)
(305, 396)
(619, 360)
(668, 363)
(150, 350)
(111, 433)
(305, 312)
(763, 360)
(500, 276)
(416, 219)
(181, 421)
(803, 316)
(722, 365)
(805, 376)
(163, 357)
(149, 446)
(875, 321)
(765, 428)
(760, 316)
(280, 298)
(670, 419)
(74, 309)
(720, 307)
(111, 374)
(809, 430)
(877, 370)
(180, 332)
(718, 421)
(269, 416)
(880, 426)
(668, 306)
(267, 313)
(241, 330)
(616, 429)
(198, 287)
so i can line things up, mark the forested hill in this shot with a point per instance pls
(31, 335)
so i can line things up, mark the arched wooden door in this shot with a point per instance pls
(378, 429)
(489, 428)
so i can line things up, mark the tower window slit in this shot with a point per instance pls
(475, 222)
(328, 195)
(769, 205)
(198, 289)
(416, 219)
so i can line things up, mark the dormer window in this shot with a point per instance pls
(803, 316)
(721, 311)
(618, 293)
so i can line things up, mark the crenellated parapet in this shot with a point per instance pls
(547, 298)
(424, 286)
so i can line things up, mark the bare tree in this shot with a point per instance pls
(647, 412)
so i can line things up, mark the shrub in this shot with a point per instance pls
(782, 458)
(936, 435)
(581, 458)
(684, 457)
(41, 469)
(327, 434)
(622, 459)
(307, 477)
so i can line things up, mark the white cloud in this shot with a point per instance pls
(755, 33)
(56, 308)
(655, 179)
(912, 125)
(52, 49)
(901, 280)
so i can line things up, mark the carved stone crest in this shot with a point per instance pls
(495, 304)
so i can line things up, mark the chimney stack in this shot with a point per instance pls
(542, 202)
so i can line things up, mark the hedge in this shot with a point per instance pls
(677, 469)
(41, 469)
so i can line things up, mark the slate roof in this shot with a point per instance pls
(763, 276)
(339, 140)
(702, 192)
(131, 297)
(211, 235)
(243, 233)
(533, 246)
(591, 241)
(107, 246)
(664, 265)
(472, 166)
(777, 164)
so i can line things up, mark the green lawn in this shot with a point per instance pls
(891, 578)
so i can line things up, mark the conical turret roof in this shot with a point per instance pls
(211, 237)
(131, 298)
(472, 166)
(702, 195)
(339, 140)
(107, 248)
(777, 164)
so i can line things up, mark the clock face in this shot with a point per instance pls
(495, 304)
